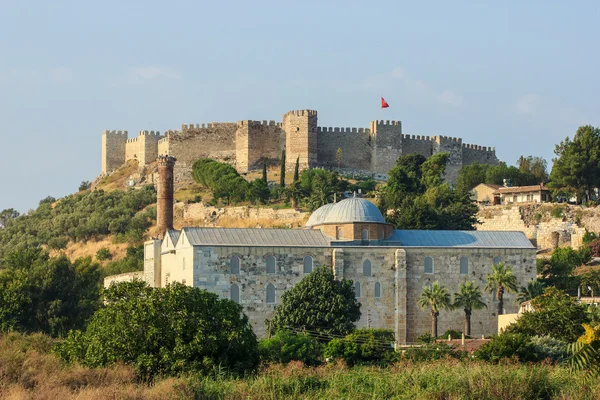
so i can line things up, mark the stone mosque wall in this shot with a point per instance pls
(248, 144)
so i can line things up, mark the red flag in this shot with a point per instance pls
(384, 103)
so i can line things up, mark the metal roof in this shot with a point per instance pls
(353, 209)
(490, 239)
(256, 237)
(319, 215)
(174, 235)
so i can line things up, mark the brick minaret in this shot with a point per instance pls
(164, 207)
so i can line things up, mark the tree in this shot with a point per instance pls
(264, 171)
(469, 298)
(85, 185)
(558, 270)
(282, 170)
(533, 289)
(577, 164)
(436, 298)
(418, 198)
(554, 314)
(470, 176)
(8, 215)
(319, 303)
(500, 280)
(297, 169)
(338, 156)
(165, 331)
(534, 169)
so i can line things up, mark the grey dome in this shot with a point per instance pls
(353, 210)
(319, 215)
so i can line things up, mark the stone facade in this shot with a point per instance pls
(247, 144)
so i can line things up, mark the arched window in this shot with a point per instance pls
(365, 234)
(357, 290)
(271, 263)
(367, 268)
(381, 233)
(497, 260)
(234, 293)
(377, 290)
(270, 294)
(464, 265)
(234, 265)
(338, 232)
(428, 265)
(308, 264)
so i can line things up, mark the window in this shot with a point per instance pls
(183, 264)
(357, 290)
(235, 265)
(271, 262)
(365, 234)
(308, 264)
(338, 233)
(381, 233)
(367, 268)
(234, 293)
(167, 278)
(270, 294)
(428, 265)
(464, 265)
(183, 281)
(377, 290)
(497, 260)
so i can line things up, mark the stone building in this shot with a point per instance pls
(524, 194)
(389, 267)
(247, 144)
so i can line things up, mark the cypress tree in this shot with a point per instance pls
(297, 169)
(282, 172)
(265, 170)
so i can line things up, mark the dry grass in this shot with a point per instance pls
(117, 180)
(76, 250)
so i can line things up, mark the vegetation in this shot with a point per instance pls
(50, 295)
(468, 298)
(165, 331)
(79, 218)
(420, 200)
(533, 289)
(576, 169)
(435, 298)
(286, 346)
(319, 304)
(558, 270)
(364, 347)
(500, 280)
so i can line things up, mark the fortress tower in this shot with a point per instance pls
(386, 144)
(113, 150)
(300, 128)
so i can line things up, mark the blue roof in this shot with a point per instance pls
(351, 210)
(477, 239)
(256, 237)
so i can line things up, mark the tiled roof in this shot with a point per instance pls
(477, 239)
(522, 189)
(256, 237)
(490, 185)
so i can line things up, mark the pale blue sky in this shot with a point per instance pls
(517, 75)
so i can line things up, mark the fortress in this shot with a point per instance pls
(247, 144)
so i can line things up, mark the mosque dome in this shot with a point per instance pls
(346, 211)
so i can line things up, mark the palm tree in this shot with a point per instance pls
(469, 298)
(437, 298)
(533, 289)
(501, 279)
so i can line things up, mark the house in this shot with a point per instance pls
(484, 193)
(523, 194)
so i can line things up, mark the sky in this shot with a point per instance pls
(520, 76)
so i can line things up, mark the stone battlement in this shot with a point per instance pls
(247, 144)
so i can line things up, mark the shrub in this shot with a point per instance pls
(594, 247)
(557, 211)
(84, 185)
(363, 346)
(425, 338)
(589, 237)
(454, 334)
(430, 352)
(547, 347)
(58, 243)
(286, 346)
(103, 254)
(165, 331)
(507, 345)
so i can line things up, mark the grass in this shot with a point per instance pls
(117, 179)
(29, 370)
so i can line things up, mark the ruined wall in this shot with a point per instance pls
(214, 140)
(113, 150)
(447, 272)
(300, 127)
(126, 277)
(199, 211)
(354, 142)
(257, 141)
(481, 154)
(386, 142)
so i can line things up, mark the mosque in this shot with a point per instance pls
(389, 267)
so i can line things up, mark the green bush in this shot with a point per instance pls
(557, 211)
(454, 334)
(430, 352)
(363, 346)
(58, 243)
(165, 331)
(425, 338)
(103, 254)
(547, 347)
(507, 345)
(286, 346)
(589, 237)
